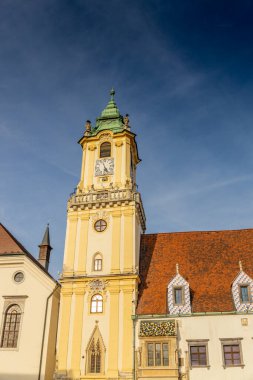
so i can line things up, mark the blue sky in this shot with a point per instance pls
(182, 70)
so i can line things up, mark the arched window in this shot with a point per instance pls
(97, 265)
(11, 327)
(97, 304)
(105, 149)
(95, 357)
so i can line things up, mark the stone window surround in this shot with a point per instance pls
(143, 351)
(231, 341)
(12, 300)
(198, 342)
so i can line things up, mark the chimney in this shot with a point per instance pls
(45, 249)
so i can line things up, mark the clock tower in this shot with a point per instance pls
(105, 219)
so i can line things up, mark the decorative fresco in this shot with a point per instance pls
(157, 328)
(242, 280)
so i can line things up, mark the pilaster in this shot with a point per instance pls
(91, 149)
(116, 233)
(127, 349)
(83, 242)
(118, 179)
(68, 267)
(128, 240)
(66, 299)
(114, 333)
(79, 292)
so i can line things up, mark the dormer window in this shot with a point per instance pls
(178, 295)
(179, 300)
(244, 293)
(105, 149)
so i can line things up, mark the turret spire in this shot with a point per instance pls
(45, 249)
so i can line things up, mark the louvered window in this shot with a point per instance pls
(105, 150)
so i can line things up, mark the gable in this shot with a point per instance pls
(8, 243)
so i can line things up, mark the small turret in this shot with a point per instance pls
(45, 249)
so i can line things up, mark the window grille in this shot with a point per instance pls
(105, 150)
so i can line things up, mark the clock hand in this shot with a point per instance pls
(105, 167)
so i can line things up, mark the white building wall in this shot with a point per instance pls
(212, 328)
(22, 363)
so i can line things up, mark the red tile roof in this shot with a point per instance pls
(207, 260)
(8, 243)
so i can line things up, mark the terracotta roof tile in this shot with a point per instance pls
(207, 260)
(8, 243)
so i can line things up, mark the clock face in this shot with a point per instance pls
(104, 166)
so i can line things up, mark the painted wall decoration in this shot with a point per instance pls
(157, 328)
(242, 280)
(185, 307)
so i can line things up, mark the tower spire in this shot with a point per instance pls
(111, 110)
(45, 249)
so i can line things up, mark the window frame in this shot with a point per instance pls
(101, 146)
(231, 342)
(240, 286)
(198, 343)
(4, 329)
(96, 302)
(99, 227)
(9, 301)
(182, 295)
(98, 264)
(154, 343)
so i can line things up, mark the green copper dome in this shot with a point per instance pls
(110, 118)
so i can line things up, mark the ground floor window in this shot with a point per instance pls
(198, 353)
(198, 356)
(95, 357)
(232, 352)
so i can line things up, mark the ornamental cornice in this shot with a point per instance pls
(92, 200)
